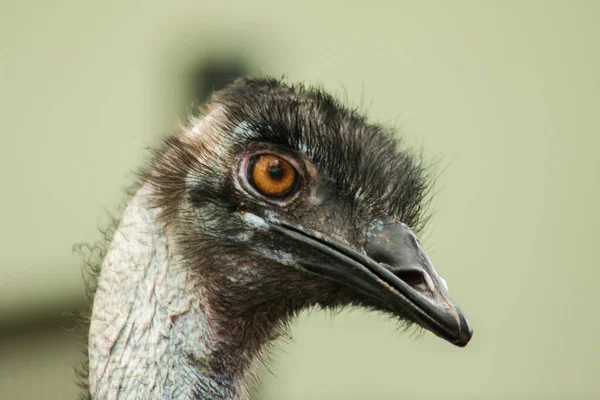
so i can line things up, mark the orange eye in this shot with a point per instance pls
(272, 175)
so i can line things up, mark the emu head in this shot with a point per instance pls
(276, 199)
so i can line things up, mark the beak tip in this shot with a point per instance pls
(465, 332)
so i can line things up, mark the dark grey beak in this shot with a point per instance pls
(393, 269)
(395, 246)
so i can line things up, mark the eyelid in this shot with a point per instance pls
(293, 161)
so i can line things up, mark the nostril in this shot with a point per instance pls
(413, 278)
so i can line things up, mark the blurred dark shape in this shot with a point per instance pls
(216, 73)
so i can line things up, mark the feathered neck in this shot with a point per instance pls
(152, 334)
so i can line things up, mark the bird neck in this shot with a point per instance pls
(153, 333)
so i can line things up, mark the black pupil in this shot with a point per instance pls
(276, 172)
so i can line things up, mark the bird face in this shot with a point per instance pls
(291, 198)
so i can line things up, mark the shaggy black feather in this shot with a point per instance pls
(362, 159)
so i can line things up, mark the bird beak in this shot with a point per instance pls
(394, 269)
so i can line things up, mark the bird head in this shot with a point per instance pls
(281, 199)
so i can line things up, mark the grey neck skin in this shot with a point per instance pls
(151, 335)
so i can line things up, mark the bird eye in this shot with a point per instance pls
(272, 175)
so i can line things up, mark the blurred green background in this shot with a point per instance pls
(503, 95)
